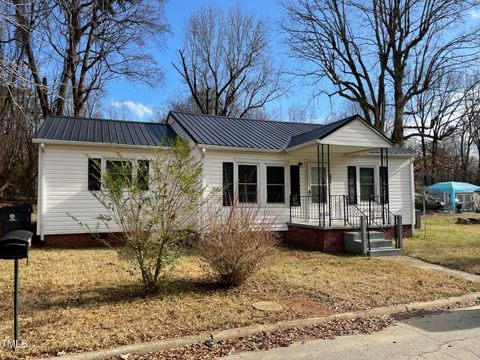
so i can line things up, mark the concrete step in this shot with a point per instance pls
(385, 251)
(355, 236)
(380, 243)
(377, 235)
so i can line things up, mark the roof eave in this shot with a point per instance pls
(237, 148)
(87, 143)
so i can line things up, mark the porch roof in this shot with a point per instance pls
(317, 134)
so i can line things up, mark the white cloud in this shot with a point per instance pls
(136, 108)
(475, 13)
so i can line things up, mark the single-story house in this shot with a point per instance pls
(315, 180)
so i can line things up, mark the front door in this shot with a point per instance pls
(317, 191)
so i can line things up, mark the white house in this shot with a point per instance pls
(308, 176)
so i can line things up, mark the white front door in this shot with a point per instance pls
(317, 191)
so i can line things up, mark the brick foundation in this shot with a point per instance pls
(82, 240)
(311, 237)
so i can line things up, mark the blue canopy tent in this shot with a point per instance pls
(452, 188)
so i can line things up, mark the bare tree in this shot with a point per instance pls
(432, 117)
(381, 53)
(442, 119)
(73, 48)
(226, 63)
(56, 57)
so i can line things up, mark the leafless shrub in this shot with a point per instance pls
(236, 244)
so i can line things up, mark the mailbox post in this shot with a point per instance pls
(14, 246)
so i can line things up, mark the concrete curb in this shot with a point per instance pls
(222, 335)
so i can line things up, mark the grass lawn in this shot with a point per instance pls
(78, 300)
(450, 244)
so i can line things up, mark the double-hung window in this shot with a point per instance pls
(367, 183)
(247, 183)
(120, 171)
(275, 184)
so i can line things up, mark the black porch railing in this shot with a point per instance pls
(341, 210)
(354, 217)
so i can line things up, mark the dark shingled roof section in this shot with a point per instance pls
(247, 133)
(67, 128)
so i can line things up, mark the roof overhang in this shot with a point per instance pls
(236, 148)
(86, 143)
(322, 137)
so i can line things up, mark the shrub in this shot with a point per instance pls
(155, 203)
(236, 243)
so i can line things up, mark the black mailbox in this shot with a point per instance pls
(15, 245)
(15, 217)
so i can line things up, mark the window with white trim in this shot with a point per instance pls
(247, 183)
(275, 184)
(120, 170)
(367, 183)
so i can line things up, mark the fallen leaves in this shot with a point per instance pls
(267, 340)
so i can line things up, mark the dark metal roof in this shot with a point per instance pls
(247, 133)
(67, 128)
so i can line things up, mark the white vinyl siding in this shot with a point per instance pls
(399, 177)
(356, 133)
(64, 181)
(65, 187)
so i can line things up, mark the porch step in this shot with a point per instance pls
(377, 235)
(380, 243)
(374, 235)
(385, 251)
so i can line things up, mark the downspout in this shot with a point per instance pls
(40, 192)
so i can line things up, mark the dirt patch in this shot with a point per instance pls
(305, 306)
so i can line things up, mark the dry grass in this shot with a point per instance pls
(78, 300)
(450, 244)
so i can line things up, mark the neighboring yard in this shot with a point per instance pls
(450, 244)
(78, 300)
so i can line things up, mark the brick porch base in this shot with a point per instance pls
(311, 237)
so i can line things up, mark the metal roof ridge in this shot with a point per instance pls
(247, 119)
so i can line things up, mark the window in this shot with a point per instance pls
(294, 185)
(367, 183)
(227, 183)
(275, 184)
(247, 183)
(120, 170)
(143, 170)
(94, 174)
(318, 185)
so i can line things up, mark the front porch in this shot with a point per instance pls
(348, 210)
(339, 224)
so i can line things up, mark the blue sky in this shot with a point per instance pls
(141, 101)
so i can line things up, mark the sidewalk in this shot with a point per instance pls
(452, 335)
(222, 335)
(433, 267)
